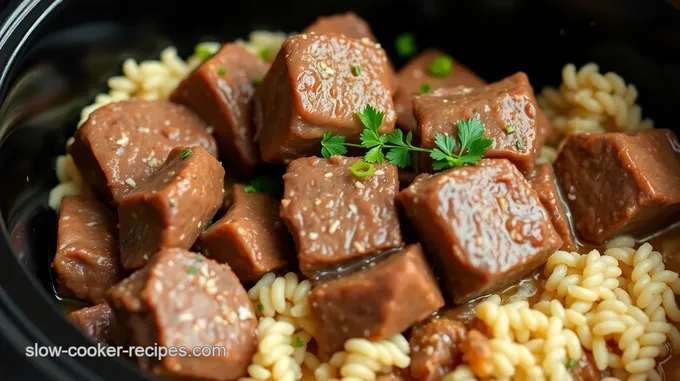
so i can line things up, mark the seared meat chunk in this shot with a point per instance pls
(250, 237)
(182, 299)
(376, 302)
(97, 322)
(542, 179)
(319, 83)
(219, 92)
(415, 78)
(348, 24)
(172, 208)
(507, 108)
(87, 262)
(484, 224)
(123, 143)
(436, 349)
(617, 183)
(336, 217)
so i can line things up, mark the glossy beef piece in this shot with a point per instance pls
(123, 143)
(97, 322)
(312, 87)
(544, 129)
(376, 302)
(542, 179)
(510, 101)
(484, 224)
(436, 349)
(87, 262)
(348, 24)
(616, 183)
(416, 73)
(250, 237)
(184, 299)
(336, 217)
(586, 369)
(172, 208)
(219, 92)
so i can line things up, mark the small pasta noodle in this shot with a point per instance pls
(618, 305)
(274, 357)
(151, 79)
(588, 101)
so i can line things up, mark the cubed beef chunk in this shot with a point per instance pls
(507, 108)
(97, 322)
(484, 225)
(123, 143)
(415, 77)
(436, 349)
(87, 262)
(544, 129)
(348, 24)
(586, 370)
(542, 179)
(172, 207)
(617, 183)
(319, 83)
(378, 301)
(219, 91)
(184, 299)
(336, 217)
(250, 237)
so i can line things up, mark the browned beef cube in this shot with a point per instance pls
(586, 370)
(348, 24)
(510, 102)
(250, 237)
(219, 91)
(542, 179)
(415, 77)
(172, 207)
(483, 223)
(97, 322)
(381, 300)
(544, 129)
(123, 143)
(182, 299)
(319, 83)
(436, 349)
(336, 217)
(87, 262)
(617, 183)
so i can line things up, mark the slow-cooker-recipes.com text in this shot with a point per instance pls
(103, 350)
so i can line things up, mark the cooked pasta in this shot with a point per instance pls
(588, 101)
(274, 359)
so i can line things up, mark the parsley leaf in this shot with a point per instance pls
(405, 44)
(399, 156)
(332, 145)
(445, 142)
(371, 118)
(472, 145)
(268, 184)
(396, 137)
(375, 155)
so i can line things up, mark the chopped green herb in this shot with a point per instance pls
(123, 242)
(519, 144)
(267, 54)
(205, 50)
(270, 185)
(298, 343)
(571, 364)
(405, 44)
(362, 169)
(192, 270)
(186, 153)
(257, 80)
(332, 145)
(470, 134)
(198, 257)
(441, 66)
(260, 307)
(356, 69)
(221, 71)
(510, 129)
(424, 88)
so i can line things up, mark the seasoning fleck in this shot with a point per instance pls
(186, 153)
(131, 182)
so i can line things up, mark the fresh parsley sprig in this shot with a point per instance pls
(446, 154)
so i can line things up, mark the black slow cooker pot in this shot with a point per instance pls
(55, 56)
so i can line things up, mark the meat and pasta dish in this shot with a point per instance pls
(298, 201)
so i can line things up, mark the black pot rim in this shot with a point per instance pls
(28, 314)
